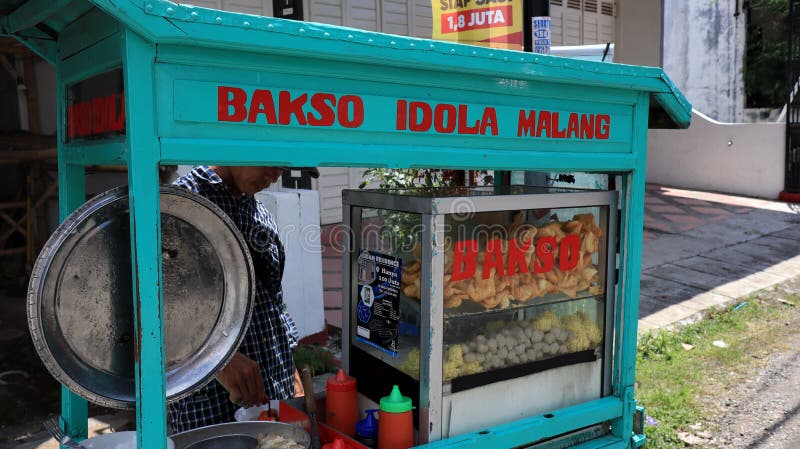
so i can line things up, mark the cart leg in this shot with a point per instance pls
(633, 193)
(71, 194)
(145, 217)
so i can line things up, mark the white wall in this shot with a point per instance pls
(296, 213)
(638, 32)
(743, 158)
(704, 47)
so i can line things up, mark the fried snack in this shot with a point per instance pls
(480, 290)
(525, 235)
(499, 290)
(516, 222)
(412, 290)
(410, 280)
(587, 220)
(417, 250)
(589, 244)
(525, 290)
(552, 229)
(454, 293)
(573, 227)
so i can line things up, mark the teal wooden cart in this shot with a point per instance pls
(212, 87)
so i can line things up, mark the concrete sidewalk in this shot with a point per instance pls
(704, 250)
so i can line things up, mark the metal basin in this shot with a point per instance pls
(238, 435)
(226, 442)
(80, 307)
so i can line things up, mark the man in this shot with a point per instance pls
(263, 366)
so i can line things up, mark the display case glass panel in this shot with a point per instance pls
(386, 308)
(519, 288)
(499, 297)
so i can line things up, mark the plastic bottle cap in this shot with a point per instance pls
(340, 382)
(368, 427)
(336, 444)
(396, 402)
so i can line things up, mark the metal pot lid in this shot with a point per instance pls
(80, 307)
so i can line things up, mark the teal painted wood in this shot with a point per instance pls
(227, 152)
(500, 121)
(375, 70)
(101, 57)
(608, 442)
(535, 428)
(71, 12)
(143, 182)
(71, 195)
(131, 14)
(633, 188)
(104, 152)
(31, 13)
(86, 31)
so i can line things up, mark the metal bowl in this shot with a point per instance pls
(80, 310)
(238, 435)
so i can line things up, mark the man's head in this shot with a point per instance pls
(248, 180)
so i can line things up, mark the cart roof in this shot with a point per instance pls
(37, 23)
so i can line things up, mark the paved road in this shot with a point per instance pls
(705, 250)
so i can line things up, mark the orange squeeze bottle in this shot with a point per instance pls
(396, 421)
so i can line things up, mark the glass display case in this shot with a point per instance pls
(497, 299)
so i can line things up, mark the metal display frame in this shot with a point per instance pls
(177, 62)
(433, 210)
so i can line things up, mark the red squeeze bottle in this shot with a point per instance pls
(396, 421)
(341, 403)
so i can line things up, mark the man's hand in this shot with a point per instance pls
(242, 378)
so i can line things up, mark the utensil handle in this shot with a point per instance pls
(311, 406)
(308, 386)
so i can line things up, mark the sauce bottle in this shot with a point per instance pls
(341, 403)
(396, 421)
(367, 430)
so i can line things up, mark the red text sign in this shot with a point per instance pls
(318, 109)
(476, 19)
(284, 107)
(95, 107)
(96, 117)
(465, 257)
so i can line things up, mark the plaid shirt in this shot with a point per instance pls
(272, 335)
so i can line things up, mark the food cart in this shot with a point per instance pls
(148, 82)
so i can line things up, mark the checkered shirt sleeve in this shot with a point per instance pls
(272, 335)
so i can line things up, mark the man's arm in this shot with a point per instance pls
(242, 378)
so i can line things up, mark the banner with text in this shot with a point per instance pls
(490, 23)
(270, 106)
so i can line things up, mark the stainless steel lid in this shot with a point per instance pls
(80, 307)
